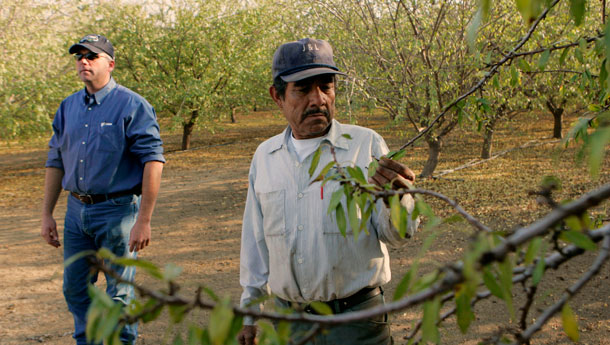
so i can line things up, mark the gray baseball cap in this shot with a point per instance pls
(95, 43)
(307, 57)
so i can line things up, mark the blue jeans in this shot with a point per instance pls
(91, 227)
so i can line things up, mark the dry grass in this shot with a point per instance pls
(198, 220)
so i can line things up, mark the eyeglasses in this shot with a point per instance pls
(89, 56)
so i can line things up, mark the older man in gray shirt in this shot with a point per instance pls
(290, 246)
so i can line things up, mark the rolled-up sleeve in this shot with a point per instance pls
(54, 155)
(254, 255)
(382, 223)
(143, 133)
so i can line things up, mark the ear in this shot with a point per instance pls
(110, 65)
(276, 96)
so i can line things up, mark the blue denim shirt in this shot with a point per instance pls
(102, 145)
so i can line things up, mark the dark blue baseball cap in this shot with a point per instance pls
(95, 43)
(307, 57)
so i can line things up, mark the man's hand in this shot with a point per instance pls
(390, 171)
(246, 335)
(48, 231)
(140, 236)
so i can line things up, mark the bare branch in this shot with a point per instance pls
(571, 291)
(487, 76)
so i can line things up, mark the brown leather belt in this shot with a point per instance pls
(97, 198)
(342, 304)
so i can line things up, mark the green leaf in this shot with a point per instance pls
(99, 296)
(570, 324)
(108, 322)
(425, 282)
(544, 59)
(195, 335)
(210, 293)
(532, 250)
(506, 284)
(356, 173)
(473, 28)
(603, 75)
(514, 76)
(430, 331)
(154, 314)
(352, 213)
(573, 223)
(372, 168)
(463, 310)
(314, 161)
(177, 340)
(347, 136)
(325, 171)
(538, 271)
(395, 207)
(177, 312)
(456, 218)
(577, 10)
(491, 283)
(424, 209)
(562, 58)
(149, 267)
(578, 239)
(578, 54)
(105, 253)
(340, 216)
(524, 65)
(78, 256)
(321, 308)
(396, 155)
(599, 140)
(335, 199)
(221, 318)
(403, 285)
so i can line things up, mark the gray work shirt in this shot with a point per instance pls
(291, 246)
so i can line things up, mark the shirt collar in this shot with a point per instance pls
(334, 137)
(101, 94)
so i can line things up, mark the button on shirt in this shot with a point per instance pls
(290, 246)
(102, 141)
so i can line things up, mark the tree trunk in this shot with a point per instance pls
(557, 115)
(188, 130)
(233, 118)
(557, 112)
(488, 139)
(434, 152)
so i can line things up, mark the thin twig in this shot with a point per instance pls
(570, 292)
(493, 70)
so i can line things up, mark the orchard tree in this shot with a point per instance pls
(35, 70)
(194, 61)
(410, 59)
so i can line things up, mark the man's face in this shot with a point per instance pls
(309, 105)
(94, 71)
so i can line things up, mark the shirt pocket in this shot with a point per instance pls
(273, 209)
(110, 137)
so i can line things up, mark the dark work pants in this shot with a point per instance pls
(374, 331)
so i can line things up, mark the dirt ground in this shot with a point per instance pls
(197, 224)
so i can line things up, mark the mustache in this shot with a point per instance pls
(315, 111)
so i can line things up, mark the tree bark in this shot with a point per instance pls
(434, 151)
(233, 117)
(557, 112)
(188, 130)
(488, 139)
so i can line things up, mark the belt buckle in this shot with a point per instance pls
(86, 198)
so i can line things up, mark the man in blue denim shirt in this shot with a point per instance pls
(106, 151)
